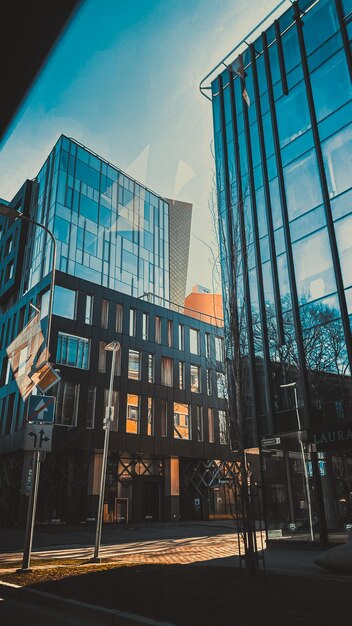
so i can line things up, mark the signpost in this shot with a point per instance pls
(41, 409)
(38, 437)
(271, 441)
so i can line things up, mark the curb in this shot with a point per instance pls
(83, 610)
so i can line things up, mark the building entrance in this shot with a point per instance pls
(146, 500)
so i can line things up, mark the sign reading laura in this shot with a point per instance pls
(334, 435)
(38, 437)
(41, 409)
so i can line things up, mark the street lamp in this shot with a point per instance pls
(306, 481)
(113, 347)
(11, 213)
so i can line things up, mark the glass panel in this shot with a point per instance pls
(181, 337)
(157, 329)
(90, 418)
(166, 372)
(88, 318)
(302, 185)
(221, 385)
(163, 418)
(145, 325)
(132, 322)
(219, 349)
(292, 126)
(313, 264)
(199, 422)
(64, 302)
(211, 425)
(134, 364)
(195, 378)
(104, 313)
(169, 333)
(223, 427)
(102, 357)
(182, 428)
(132, 414)
(181, 375)
(150, 428)
(337, 152)
(119, 318)
(331, 85)
(194, 340)
(209, 386)
(67, 395)
(151, 376)
(343, 229)
(73, 351)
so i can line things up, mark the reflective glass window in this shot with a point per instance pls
(163, 418)
(157, 329)
(166, 371)
(73, 351)
(182, 426)
(132, 414)
(337, 152)
(119, 318)
(199, 423)
(64, 302)
(223, 427)
(195, 378)
(181, 375)
(211, 434)
(181, 337)
(145, 326)
(331, 85)
(151, 368)
(132, 322)
(313, 265)
(134, 364)
(221, 385)
(343, 229)
(169, 333)
(150, 417)
(297, 122)
(104, 313)
(303, 189)
(89, 309)
(91, 401)
(67, 397)
(194, 340)
(102, 357)
(219, 348)
(209, 385)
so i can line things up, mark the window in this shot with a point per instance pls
(119, 318)
(104, 313)
(199, 423)
(9, 271)
(195, 378)
(151, 368)
(211, 425)
(132, 414)
(221, 385)
(163, 418)
(132, 323)
(209, 385)
(337, 151)
(181, 421)
(181, 375)
(219, 349)
(194, 340)
(166, 371)
(145, 326)
(90, 418)
(224, 436)
(134, 364)
(157, 329)
(169, 333)
(64, 302)
(102, 357)
(115, 408)
(150, 427)
(72, 351)
(181, 337)
(306, 195)
(88, 318)
(67, 397)
(313, 266)
(207, 345)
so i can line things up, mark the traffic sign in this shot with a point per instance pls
(41, 409)
(38, 437)
(272, 441)
(45, 377)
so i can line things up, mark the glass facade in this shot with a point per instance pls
(109, 229)
(283, 136)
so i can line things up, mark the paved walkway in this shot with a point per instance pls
(203, 544)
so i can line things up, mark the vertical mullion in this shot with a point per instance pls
(247, 301)
(344, 35)
(269, 217)
(281, 58)
(324, 187)
(286, 228)
(262, 310)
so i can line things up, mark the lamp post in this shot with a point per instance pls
(113, 347)
(306, 481)
(11, 213)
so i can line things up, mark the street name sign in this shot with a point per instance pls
(38, 437)
(271, 441)
(41, 409)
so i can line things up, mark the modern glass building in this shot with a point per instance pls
(109, 228)
(282, 111)
(169, 454)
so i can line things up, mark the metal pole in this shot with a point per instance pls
(96, 557)
(31, 514)
(306, 481)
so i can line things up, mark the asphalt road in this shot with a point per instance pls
(15, 613)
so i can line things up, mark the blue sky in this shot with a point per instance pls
(124, 80)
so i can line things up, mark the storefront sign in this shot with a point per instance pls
(340, 435)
